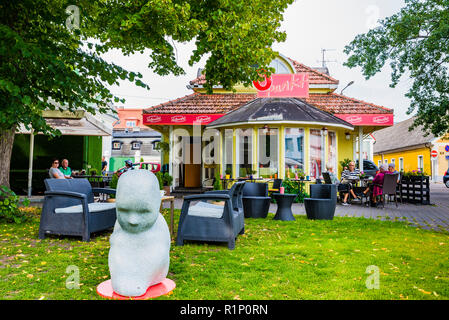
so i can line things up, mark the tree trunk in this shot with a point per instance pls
(6, 144)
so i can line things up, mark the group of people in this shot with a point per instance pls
(351, 174)
(60, 172)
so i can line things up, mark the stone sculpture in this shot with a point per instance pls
(140, 244)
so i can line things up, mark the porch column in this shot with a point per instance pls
(361, 148)
(30, 162)
(170, 155)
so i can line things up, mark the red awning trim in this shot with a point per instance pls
(179, 119)
(368, 119)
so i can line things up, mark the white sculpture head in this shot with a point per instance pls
(138, 200)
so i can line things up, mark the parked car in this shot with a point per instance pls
(446, 178)
(369, 167)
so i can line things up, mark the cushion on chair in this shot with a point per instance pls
(206, 210)
(93, 207)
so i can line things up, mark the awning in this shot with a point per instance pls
(86, 126)
(279, 110)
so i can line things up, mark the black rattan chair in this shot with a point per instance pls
(322, 202)
(256, 201)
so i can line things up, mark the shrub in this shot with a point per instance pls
(292, 187)
(345, 163)
(159, 176)
(9, 206)
(113, 184)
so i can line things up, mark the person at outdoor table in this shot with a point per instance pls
(54, 172)
(65, 169)
(377, 185)
(392, 170)
(128, 166)
(347, 178)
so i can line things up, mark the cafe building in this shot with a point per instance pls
(291, 123)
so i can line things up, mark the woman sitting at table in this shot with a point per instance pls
(377, 185)
(344, 187)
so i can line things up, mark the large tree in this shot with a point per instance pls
(415, 42)
(50, 51)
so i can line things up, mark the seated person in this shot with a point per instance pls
(392, 170)
(128, 166)
(377, 185)
(347, 179)
(54, 172)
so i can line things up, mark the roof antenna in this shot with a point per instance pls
(324, 61)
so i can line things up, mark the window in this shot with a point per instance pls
(135, 145)
(268, 152)
(393, 161)
(244, 150)
(421, 163)
(227, 152)
(130, 124)
(379, 162)
(386, 161)
(294, 151)
(332, 150)
(316, 153)
(401, 164)
(116, 145)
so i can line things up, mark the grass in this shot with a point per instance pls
(303, 259)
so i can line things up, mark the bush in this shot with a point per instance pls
(9, 206)
(292, 187)
(159, 176)
(113, 184)
(167, 179)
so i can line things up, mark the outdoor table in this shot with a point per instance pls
(284, 202)
(170, 199)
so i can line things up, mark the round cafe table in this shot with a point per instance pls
(284, 202)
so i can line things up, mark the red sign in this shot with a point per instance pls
(434, 153)
(179, 119)
(368, 119)
(284, 85)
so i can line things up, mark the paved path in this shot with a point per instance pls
(434, 216)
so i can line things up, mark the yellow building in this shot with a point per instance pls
(411, 150)
(241, 133)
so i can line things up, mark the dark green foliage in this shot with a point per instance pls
(415, 44)
(292, 187)
(345, 163)
(9, 206)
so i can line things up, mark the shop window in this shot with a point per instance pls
(316, 153)
(244, 152)
(116, 145)
(332, 149)
(228, 153)
(294, 151)
(268, 152)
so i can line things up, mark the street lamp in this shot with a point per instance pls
(349, 84)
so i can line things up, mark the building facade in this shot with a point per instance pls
(224, 133)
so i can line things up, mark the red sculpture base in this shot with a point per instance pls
(105, 290)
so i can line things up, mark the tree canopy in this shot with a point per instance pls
(50, 59)
(415, 43)
(50, 51)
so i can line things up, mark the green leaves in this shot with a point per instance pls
(415, 42)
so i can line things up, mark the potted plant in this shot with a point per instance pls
(113, 185)
(167, 180)
(253, 172)
(228, 173)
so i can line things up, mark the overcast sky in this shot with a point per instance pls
(311, 25)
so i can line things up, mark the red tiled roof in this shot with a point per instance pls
(223, 103)
(338, 104)
(315, 77)
(203, 103)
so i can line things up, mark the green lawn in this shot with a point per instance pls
(273, 260)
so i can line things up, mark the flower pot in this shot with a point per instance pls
(167, 190)
(111, 200)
